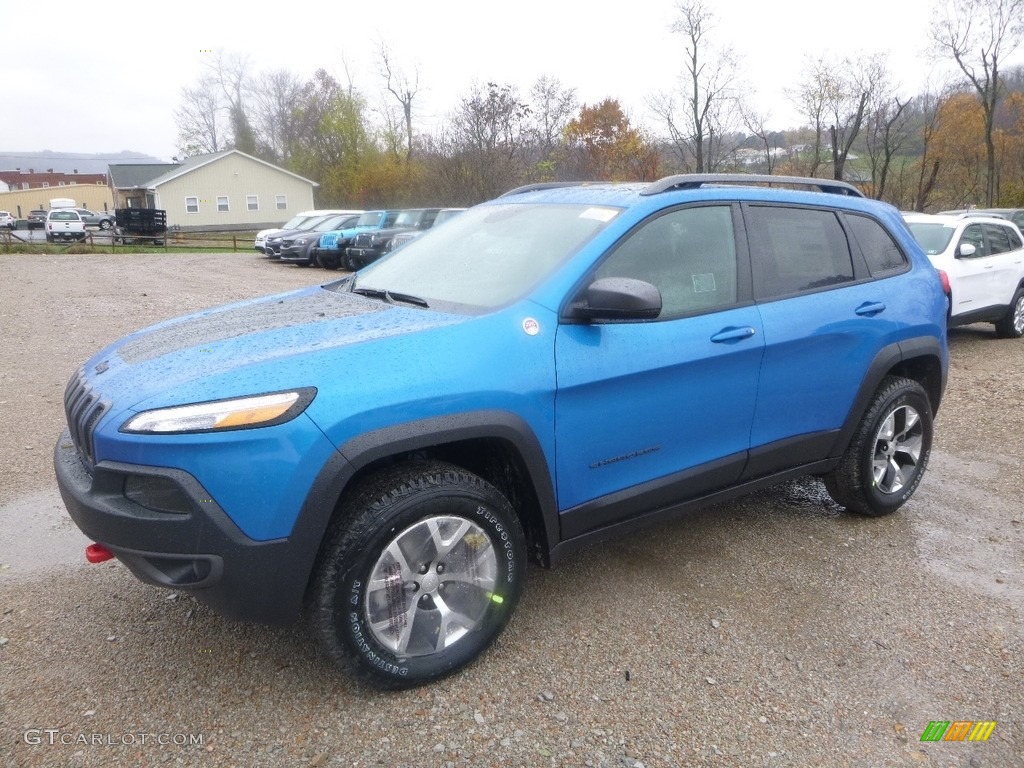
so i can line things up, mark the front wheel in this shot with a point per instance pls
(105, 225)
(887, 457)
(1012, 324)
(420, 574)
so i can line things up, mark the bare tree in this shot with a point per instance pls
(706, 91)
(834, 97)
(928, 105)
(757, 123)
(200, 119)
(403, 88)
(275, 96)
(980, 35)
(553, 107)
(888, 129)
(231, 73)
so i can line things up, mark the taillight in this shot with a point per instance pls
(944, 278)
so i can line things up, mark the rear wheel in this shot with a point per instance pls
(419, 576)
(1012, 324)
(105, 224)
(888, 454)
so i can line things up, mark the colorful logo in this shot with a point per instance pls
(958, 730)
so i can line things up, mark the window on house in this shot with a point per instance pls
(46, 183)
(282, 202)
(191, 205)
(222, 204)
(252, 202)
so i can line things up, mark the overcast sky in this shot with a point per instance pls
(107, 76)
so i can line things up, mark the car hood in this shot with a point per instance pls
(261, 345)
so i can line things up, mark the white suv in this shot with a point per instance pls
(6, 220)
(981, 262)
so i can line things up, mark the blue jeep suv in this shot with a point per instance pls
(329, 253)
(383, 454)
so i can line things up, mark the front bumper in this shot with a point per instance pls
(357, 258)
(295, 253)
(200, 550)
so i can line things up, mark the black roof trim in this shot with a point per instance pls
(698, 180)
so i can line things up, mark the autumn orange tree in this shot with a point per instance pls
(605, 146)
(959, 148)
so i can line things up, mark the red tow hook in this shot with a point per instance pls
(97, 553)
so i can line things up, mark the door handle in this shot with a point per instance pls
(733, 334)
(869, 309)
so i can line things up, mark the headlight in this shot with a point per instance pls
(239, 413)
(300, 241)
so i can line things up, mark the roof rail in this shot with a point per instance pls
(543, 185)
(698, 180)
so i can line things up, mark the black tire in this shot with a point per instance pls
(329, 260)
(1012, 324)
(358, 623)
(105, 224)
(888, 455)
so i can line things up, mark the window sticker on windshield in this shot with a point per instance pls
(601, 214)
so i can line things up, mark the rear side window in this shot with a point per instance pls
(688, 254)
(797, 249)
(1015, 242)
(880, 251)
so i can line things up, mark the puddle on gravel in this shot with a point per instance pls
(36, 534)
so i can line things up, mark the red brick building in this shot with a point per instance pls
(30, 178)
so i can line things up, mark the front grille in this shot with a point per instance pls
(364, 240)
(83, 408)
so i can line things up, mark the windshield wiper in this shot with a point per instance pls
(391, 297)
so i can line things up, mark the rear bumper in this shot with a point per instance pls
(200, 551)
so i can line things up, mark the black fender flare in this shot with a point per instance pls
(361, 451)
(890, 357)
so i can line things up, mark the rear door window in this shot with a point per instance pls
(797, 250)
(998, 238)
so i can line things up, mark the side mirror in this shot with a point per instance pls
(965, 249)
(618, 298)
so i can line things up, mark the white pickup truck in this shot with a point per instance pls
(64, 224)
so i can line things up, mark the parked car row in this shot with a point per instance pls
(37, 218)
(347, 239)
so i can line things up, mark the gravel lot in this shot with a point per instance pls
(776, 631)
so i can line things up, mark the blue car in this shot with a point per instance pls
(384, 454)
(330, 251)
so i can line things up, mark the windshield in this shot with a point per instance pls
(294, 222)
(487, 256)
(408, 218)
(369, 219)
(933, 238)
(335, 222)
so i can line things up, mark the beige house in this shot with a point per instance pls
(95, 197)
(224, 190)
